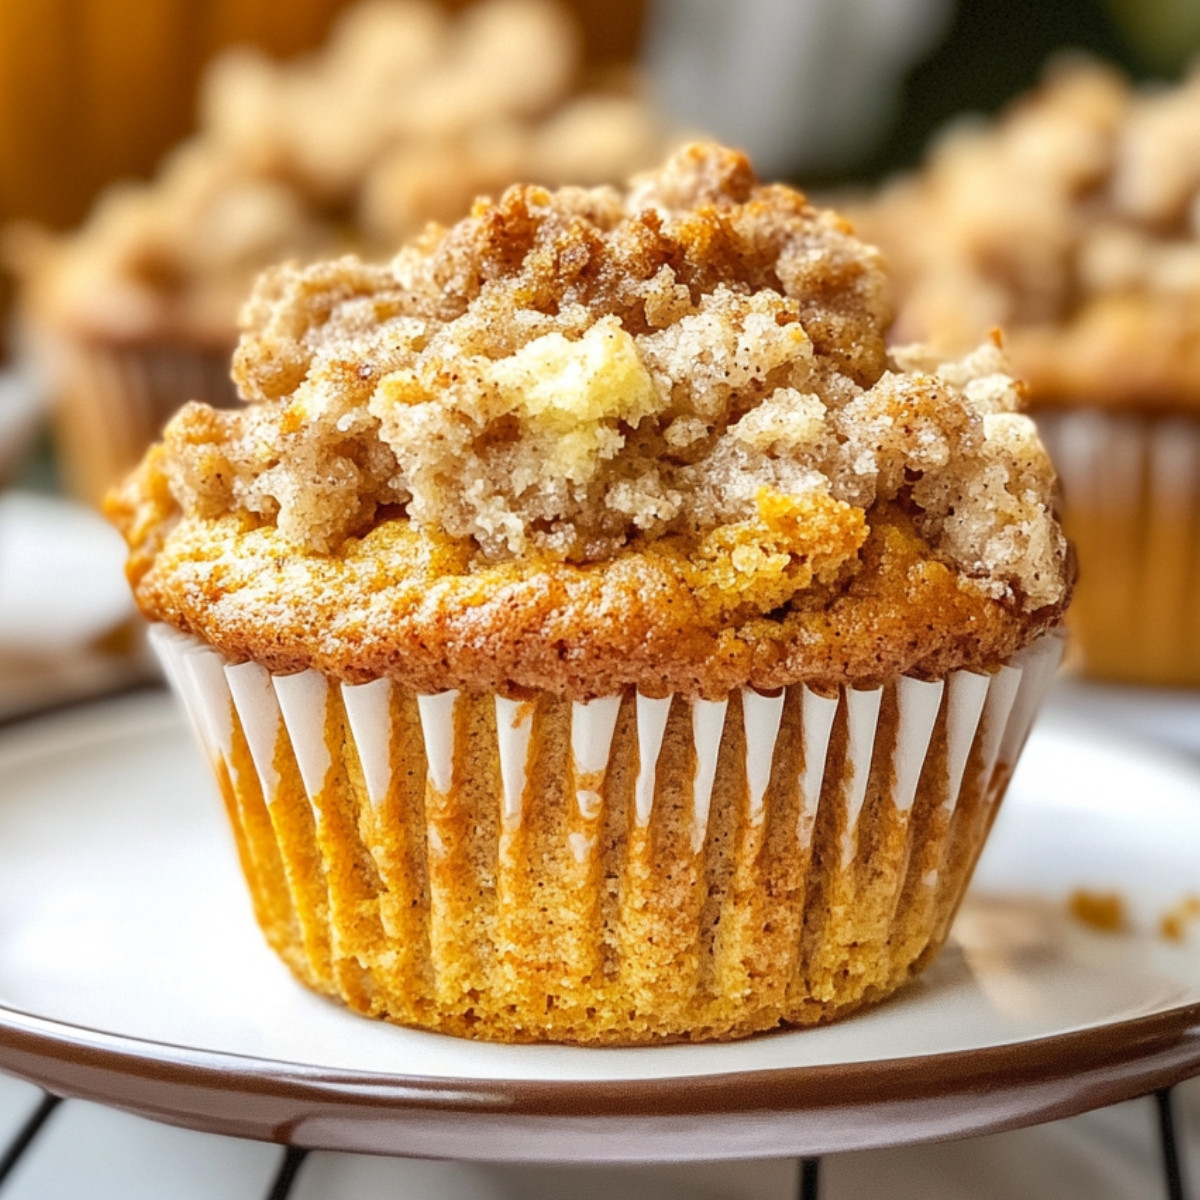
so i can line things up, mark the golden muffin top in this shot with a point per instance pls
(1072, 222)
(589, 439)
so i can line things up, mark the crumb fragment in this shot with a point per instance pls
(1101, 910)
(1177, 921)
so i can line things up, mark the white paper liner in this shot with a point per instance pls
(369, 707)
(708, 723)
(592, 728)
(268, 706)
(514, 727)
(919, 702)
(437, 727)
(862, 713)
(651, 725)
(258, 711)
(385, 871)
(817, 723)
(303, 702)
(968, 695)
(762, 715)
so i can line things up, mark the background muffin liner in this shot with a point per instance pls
(111, 400)
(1131, 505)
(624, 870)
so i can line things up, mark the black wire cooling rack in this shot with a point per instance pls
(1173, 1184)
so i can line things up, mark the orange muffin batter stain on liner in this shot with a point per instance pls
(620, 924)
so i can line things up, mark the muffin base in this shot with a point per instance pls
(620, 872)
(1131, 489)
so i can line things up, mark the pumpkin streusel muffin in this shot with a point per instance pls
(1073, 221)
(597, 637)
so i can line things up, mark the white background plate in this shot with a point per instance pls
(131, 971)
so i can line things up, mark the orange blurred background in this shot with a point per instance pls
(95, 90)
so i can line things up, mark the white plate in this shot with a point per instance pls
(131, 972)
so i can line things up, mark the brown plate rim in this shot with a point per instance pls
(975, 1091)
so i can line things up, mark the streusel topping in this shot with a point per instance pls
(1071, 222)
(683, 386)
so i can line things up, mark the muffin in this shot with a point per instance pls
(404, 117)
(1072, 221)
(597, 636)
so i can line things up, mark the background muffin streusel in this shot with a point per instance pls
(1073, 220)
(1072, 223)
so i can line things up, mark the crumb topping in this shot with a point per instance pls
(1071, 222)
(679, 394)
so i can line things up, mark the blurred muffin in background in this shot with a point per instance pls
(1073, 223)
(403, 117)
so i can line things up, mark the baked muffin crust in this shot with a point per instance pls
(586, 440)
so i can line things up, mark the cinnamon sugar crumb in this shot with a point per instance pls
(698, 362)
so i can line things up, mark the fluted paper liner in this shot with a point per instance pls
(1131, 491)
(623, 870)
(112, 400)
